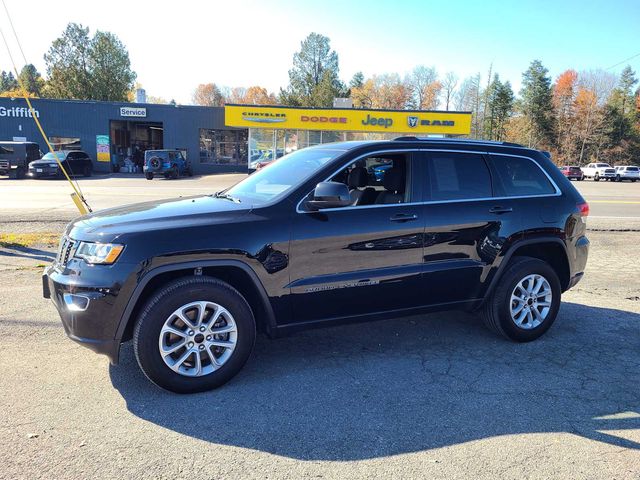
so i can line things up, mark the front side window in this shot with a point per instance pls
(458, 176)
(377, 180)
(520, 176)
(282, 175)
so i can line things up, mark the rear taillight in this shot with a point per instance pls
(583, 208)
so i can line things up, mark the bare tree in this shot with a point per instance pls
(448, 87)
(419, 81)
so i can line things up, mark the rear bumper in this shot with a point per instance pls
(579, 260)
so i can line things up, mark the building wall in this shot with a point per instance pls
(86, 119)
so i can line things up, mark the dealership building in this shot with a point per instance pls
(214, 139)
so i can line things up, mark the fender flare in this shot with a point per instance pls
(514, 247)
(125, 318)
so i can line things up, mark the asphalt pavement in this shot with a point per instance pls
(48, 200)
(432, 396)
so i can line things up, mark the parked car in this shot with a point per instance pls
(16, 156)
(627, 172)
(488, 227)
(75, 162)
(572, 172)
(169, 163)
(598, 171)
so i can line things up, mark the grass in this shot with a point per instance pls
(27, 240)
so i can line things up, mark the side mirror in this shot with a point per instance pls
(329, 195)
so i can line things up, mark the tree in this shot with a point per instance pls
(385, 91)
(110, 71)
(500, 101)
(564, 96)
(31, 80)
(7, 81)
(254, 95)
(449, 85)
(313, 80)
(86, 68)
(536, 104)
(468, 99)
(208, 95)
(423, 82)
(357, 81)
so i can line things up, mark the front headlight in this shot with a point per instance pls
(99, 253)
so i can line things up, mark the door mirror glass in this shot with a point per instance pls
(329, 195)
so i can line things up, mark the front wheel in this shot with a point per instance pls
(525, 302)
(596, 178)
(194, 335)
(148, 176)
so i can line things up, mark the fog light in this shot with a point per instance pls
(75, 303)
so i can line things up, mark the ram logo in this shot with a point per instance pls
(412, 121)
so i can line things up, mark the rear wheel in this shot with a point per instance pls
(148, 175)
(87, 171)
(194, 335)
(525, 302)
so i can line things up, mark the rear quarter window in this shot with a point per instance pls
(519, 176)
(458, 176)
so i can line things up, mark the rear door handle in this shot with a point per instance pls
(498, 210)
(404, 217)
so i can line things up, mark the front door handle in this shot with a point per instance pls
(404, 217)
(498, 210)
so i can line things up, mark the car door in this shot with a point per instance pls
(361, 259)
(465, 226)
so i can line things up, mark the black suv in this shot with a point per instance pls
(326, 235)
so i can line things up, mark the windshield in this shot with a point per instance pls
(282, 175)
(50, 156)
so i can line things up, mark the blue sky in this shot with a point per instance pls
(174, 46)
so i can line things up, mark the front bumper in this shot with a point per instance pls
(46, 172)
(90, 315)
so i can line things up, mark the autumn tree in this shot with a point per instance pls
(386, 91)
(314, 79)
(536, 105)
(208, 95)
(564, 97)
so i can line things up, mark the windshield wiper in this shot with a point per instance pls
(226, 196)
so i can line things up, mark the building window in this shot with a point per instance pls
(223, 147)
(65, 143)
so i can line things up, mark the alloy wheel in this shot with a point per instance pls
(198, 338)
(531, 301)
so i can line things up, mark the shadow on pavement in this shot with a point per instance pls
(27, 252)
(399, 386)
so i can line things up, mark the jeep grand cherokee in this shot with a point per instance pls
(317, 239)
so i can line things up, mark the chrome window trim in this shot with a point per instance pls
(557, 193)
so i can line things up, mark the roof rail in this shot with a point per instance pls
(412, 138)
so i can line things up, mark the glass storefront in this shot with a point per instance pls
(223, 147)
(268, 144)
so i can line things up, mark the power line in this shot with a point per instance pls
(623, 61)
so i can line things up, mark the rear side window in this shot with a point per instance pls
(458, 176)
(520, 176)
(632, 169)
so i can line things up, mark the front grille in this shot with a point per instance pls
(4, 164)
(609, 170)
(66, 246)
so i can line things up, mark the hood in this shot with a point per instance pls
(157, 215)
(42, 162)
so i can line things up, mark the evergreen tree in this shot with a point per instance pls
(314, 80)
(536, 104)
(7, 81)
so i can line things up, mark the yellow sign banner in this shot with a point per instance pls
(348, 120)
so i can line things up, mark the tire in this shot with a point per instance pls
(160, 310)
(148, 176)
(596, 178)
(496, 311)
(87, 170)
(174, 174)
(633, 180)
(189, 172)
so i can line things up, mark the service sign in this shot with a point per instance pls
(350, 120)
(133, 112)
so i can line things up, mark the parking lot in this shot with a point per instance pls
(435, 396)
